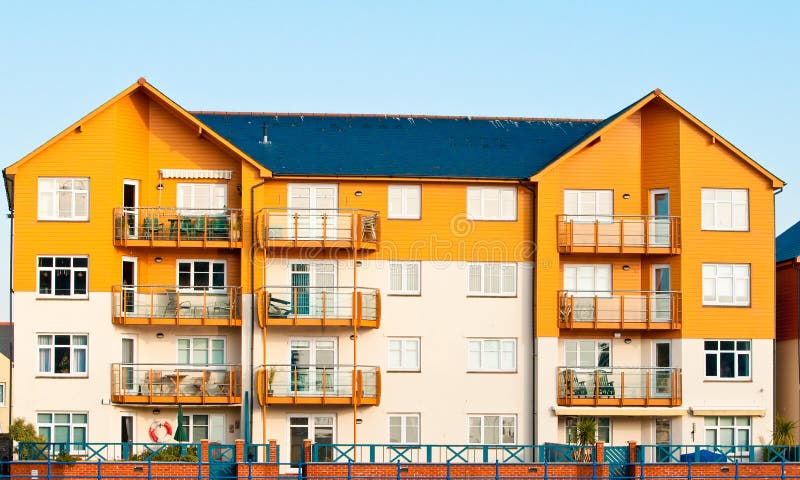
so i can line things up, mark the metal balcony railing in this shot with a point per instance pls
(338, 228)
(620, 310)
(319, 384)
(157, 226)
(176, 383)
(319, 306)
(619, 386)
(618, 233)
(172, 305)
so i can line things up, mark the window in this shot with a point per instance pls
(63, 354)
(2, 394)
(200, 427)
(201, 351)
(728, 431)
(726, 284)
(404, 278)
(404, 428)
(202, 198)
(197, 275)
(63, 199)
(69, 428)
(587, 353)
(404, 201)
(589, 205)
(492, 279)
(491, 203)
(587, 280)
(62, 276)
(727, 359)
(492, 429)
(725, 209)
(404, 354)
(603, 429)
(492, 354)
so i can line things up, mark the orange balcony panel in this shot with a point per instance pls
(158, 227)
(619, 310)
(318, 228)
(169, 305)
(637, 234)
(319, 306)
(619, 387)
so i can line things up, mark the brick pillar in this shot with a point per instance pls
(239, 451)
(631, 451)
(600, 455)
(204, 451)
(307, 450)
(273, 450)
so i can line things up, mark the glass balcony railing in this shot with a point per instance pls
(619, 386)
(618, 234)
(188, 227)
(171, 305)
(336, 228)
(620, 310)
(176, 383)
(319, 306)
(319, 384)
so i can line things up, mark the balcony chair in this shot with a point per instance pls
(221, 308)
(279, 308)
(577, 387)
(606, 387)
(203, 380)
(156, 381)
(368, 229)
(218, 229)
(199, 227)
(171, 308)
(151, 228)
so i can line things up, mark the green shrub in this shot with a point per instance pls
(170, 453)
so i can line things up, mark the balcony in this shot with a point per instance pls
(176, 384)
(619, 387)
(318, 385)
(319, 306)
(177, 227)
(168, 305)
(318, 228)
(619, 310)
(641, 234)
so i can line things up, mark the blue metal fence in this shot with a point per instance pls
(433, 453)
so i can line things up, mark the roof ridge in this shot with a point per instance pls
(397, 115)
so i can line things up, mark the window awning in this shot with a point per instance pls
(728, 411)
(195, 173)
(619, 411)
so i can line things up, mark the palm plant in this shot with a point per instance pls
(783, 432)
(585, 436)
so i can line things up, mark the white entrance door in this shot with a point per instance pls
(130, 203)
(661, 305)
(128, 367)
(315, 206)
(129, 274)
(313, 365)
(659, 222)
(321, 429)
(313, 288)
(662, 381)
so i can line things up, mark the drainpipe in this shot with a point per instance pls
(253, 305)
(9, 184)
(527, 186)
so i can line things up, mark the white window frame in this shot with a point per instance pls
(2, 394)
(405, 365)
(737, 352)
(410, 198)
(737, 283)
(403, 417)
(477, 200)
(502, 345)
(195, 288)
(209, 350)
(190, 424)
(73, 272)
(216, 190)
(51, 348)
(406, 269)
(483, 426)
(49, 185)
(484, 267)
(73, 426)
(596, 277)
(598, 421)
(717, 206)
(574, 201)
(595, 349)
(735, 427)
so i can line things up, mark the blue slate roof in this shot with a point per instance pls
(399, 146)
(787, 245)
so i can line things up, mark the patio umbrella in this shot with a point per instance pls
(180, 433)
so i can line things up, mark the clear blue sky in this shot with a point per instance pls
(734, 64)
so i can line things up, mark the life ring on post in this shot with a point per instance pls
(161, 431)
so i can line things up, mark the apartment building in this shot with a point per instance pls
(391, 279)
(787, 312)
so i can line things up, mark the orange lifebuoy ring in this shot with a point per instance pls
(160, 431)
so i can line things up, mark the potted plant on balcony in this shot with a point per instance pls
(586, 437)
(783, 446)
(271, 376)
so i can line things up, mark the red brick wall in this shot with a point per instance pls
(327, 471)
(710, 471)
(109, 470)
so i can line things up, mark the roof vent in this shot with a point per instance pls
(265, 141)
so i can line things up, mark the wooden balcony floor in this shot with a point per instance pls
(172, 399)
